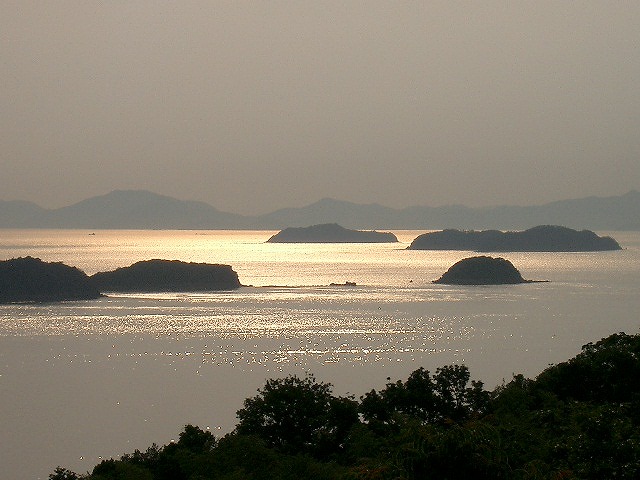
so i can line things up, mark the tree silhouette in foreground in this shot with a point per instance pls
(298, 415)
(579, 419)
(445, 396)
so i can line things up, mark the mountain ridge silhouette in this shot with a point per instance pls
(142, 209)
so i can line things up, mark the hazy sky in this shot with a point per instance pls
(253, 106)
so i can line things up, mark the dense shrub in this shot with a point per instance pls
(577, 420)
(298, 415)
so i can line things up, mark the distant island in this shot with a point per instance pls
(482, 271)
(543, 238)
(167, 276)
(29, 279)
(345, 284)
(330, 233)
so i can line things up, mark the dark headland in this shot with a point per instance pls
(482, 270)
(543, 238)
(29, 279)
(330, 233)
(167, 276)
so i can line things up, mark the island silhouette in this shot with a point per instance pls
(330, 233)
(543, 238)
(482, 270)
(28, 279)
(167, 276)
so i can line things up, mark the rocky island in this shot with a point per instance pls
(29, 279)
(482, 270)
(167, 276)
(543, 238)
(330, 233)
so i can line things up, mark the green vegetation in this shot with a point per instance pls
(577, 420)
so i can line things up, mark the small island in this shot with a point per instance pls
(28, 279)
(482, 270)
(167, 276)
(330, 233)
(543, 238)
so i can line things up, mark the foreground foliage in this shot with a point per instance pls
(577, 420)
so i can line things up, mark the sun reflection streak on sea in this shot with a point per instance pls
(254, 312)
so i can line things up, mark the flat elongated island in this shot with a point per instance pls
(543, 238)
(167, 276)
(330, 233)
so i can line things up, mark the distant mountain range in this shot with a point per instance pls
(136, 209)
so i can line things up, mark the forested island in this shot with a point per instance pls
(482, 270)
(28, 279)
(330, 233)
(543, 238)
(576, 420)
(167, 276)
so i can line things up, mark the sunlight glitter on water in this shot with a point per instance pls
(393, 314)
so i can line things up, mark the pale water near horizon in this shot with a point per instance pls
(85, 380)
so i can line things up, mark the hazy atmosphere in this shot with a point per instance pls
(254, 106)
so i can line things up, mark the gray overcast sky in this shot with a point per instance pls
(253, 106)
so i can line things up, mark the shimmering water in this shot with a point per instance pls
(81, 380)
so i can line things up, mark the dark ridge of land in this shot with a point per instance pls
(330, 233)
(123, 209)
(543, 238)
(28, 279)
(167, 276)
(482, 270)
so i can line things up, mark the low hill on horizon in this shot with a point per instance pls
(330, 233)
(121, 209)
(140, 209)
(543, 238)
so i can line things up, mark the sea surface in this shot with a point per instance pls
(83, 381)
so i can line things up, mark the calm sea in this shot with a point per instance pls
(81, 381)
